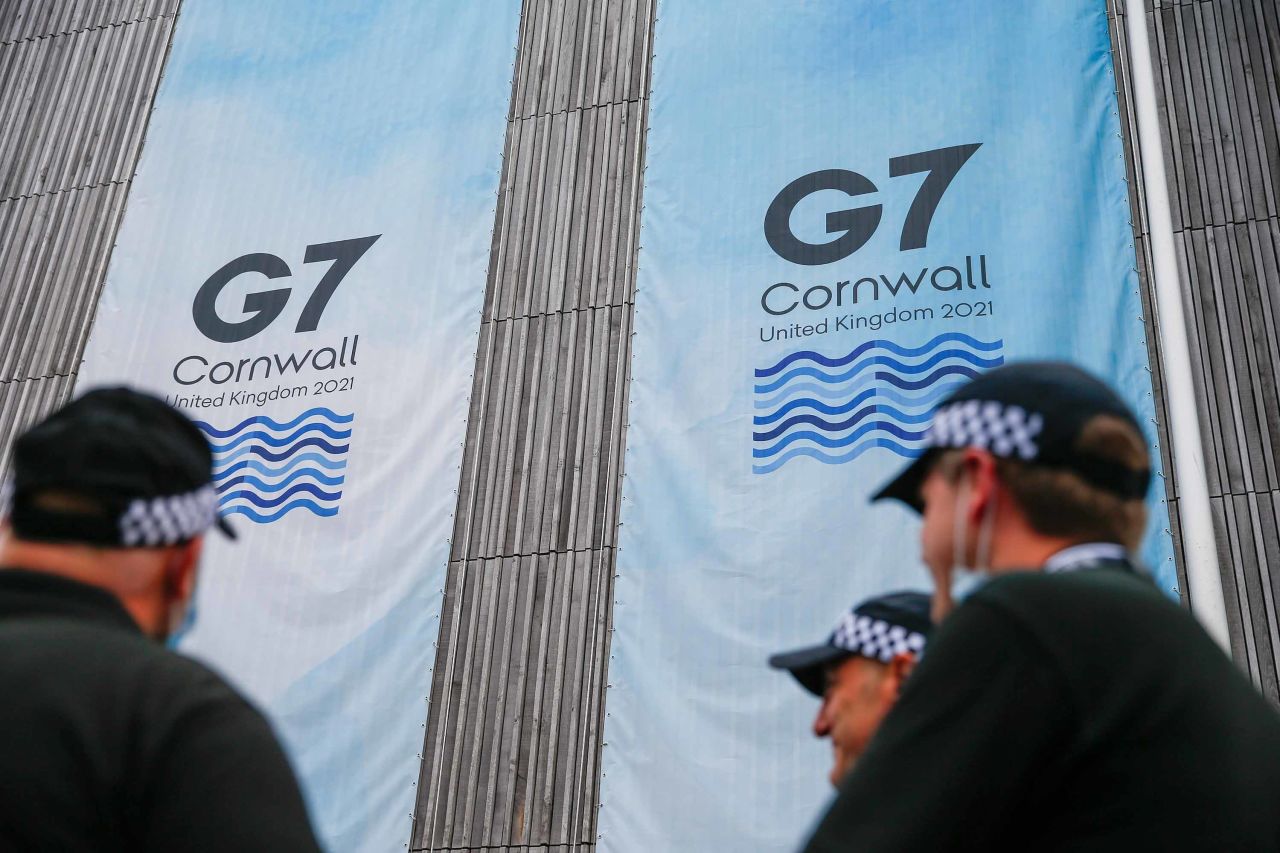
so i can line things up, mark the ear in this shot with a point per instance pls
(900, 668)
(979, 467)
(180, 568)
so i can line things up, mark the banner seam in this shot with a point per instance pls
(93, 29)
(67, 375)
(489, 277)
(627, 303)
(581, 109)
(96, 186)
(639, 170)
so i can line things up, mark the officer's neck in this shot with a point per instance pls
(1016, 547)
(132, 575)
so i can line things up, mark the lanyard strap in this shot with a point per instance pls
(1086, 556)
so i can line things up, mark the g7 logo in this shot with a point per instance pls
(857, 225)
(265, 306)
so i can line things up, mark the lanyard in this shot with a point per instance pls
(1085, 556)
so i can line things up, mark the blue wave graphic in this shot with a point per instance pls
(844, 441)
(940, 373)
(881, 361)
(818, 389)
(791, 405)
(284, 440)
(835, 408)
(893, 395)
(214, 432)
(267, 518)
(294, 462)
(263, 487)
(949, 337)
(856, 418)
(836, 458)
(270, 456)
(926, 397)
(264, 468)
(269, 503)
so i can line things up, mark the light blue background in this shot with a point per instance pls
(279, 124)
(706, 749)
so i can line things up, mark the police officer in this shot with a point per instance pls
(1065, 703)
(108, 741)
(859, 670)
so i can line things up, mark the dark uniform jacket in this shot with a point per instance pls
(109, 742)
(1081, 711)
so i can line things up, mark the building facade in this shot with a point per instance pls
(510, 759)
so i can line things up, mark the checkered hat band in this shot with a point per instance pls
(875, 638)
(1007, 431)
(168, 520)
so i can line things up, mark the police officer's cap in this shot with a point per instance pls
(1032, 412)
(114, 467)
(879, 628)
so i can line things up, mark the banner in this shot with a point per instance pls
(850, 207)
(301, 268)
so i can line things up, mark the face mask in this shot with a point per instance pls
(184, 616)
(965, 579)
(182, 619)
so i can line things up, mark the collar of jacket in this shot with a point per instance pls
(27, 593)
(1086, 556)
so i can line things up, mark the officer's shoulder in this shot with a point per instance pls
(127, 665)
(132, 650)
(177, 671)
(167, 682)
(1035, 585)
(1036, 597)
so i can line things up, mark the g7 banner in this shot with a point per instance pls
(851, 206)
(301, 268)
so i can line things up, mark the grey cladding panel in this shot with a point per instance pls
(1218, 81)
(76, 82)
(569, 218)
(1220, 70)
(73, 108)
(53, 257)
(1251, 556)
(510, 760)
(524, 644)
(522, 848)
(576, 54)
(543, 458)
(1220, 86)
(34, 19)
(24, 403)
(1234, 316)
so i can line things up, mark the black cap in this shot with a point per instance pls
(878, 628)
(1031, 411)
(143, 468)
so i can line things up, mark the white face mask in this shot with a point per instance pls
(965, 579)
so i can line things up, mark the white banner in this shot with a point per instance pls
(851, 207)
(301, 268)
